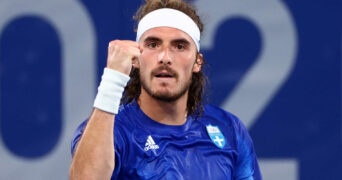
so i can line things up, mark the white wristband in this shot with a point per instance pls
(110, 90)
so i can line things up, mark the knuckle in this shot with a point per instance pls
(113, 43)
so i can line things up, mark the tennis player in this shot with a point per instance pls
(149, 120)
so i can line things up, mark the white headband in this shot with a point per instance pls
(167, 17)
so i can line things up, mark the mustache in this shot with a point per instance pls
(164, 70)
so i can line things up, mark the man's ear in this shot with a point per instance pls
(135, 62)
(198, 63)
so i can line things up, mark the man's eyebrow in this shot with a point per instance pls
(152, 38)
(181, 41)
(175, 41)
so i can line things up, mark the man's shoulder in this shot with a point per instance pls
(127, 110)
(215, 114)
(215, 111)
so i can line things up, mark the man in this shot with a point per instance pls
(161, 130)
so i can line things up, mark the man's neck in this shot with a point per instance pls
(170, 113)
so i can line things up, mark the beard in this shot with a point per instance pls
(167, 96)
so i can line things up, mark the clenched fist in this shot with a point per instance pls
(122, 54)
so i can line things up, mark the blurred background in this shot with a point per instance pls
(275, 64)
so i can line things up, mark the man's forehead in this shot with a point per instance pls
(166, 33)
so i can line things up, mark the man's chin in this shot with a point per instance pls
(165, 94)
(165, 97)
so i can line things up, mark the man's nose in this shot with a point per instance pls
(165, 57)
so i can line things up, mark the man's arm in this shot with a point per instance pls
(94, 156)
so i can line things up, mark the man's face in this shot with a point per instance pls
(168, 59)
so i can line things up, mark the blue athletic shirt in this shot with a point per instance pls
(214, 146)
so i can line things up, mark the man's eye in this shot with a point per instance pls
(152, 45)
(180, 46)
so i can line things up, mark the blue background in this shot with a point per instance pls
(302, 121)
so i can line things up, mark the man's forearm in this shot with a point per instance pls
(94, 154)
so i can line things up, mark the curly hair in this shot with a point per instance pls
(198, 80)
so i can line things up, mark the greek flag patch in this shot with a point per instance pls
(216, 136)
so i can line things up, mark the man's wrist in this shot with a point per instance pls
(110, 90)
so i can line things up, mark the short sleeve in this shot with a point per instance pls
(77, 136)
(247, 167)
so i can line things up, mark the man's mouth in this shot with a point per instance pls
(164, 75)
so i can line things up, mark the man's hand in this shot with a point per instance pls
(122, 54)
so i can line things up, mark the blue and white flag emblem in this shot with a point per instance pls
(216, 136)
